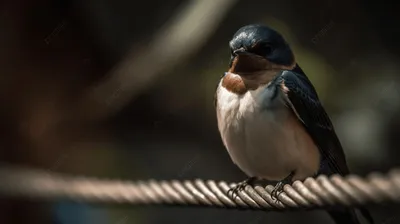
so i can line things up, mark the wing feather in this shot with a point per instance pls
(304, 101)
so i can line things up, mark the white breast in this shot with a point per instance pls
(263, 137)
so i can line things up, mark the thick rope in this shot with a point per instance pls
(310, 194)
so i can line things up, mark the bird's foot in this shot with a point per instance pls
(241, 186)
(278, 189)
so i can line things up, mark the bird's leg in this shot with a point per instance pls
(279, 186)
(241, 185)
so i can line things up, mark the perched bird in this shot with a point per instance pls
(271, 120)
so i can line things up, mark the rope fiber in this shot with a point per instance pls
(317, 193)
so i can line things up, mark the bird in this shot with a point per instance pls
(271, 120)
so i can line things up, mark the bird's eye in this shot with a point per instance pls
(267, 49)
(263, 49)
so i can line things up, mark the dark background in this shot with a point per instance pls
(89, 88)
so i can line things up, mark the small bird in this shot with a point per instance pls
(271, 120)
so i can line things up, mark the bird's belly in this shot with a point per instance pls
(271, 144)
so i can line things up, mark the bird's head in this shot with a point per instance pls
(256, 48)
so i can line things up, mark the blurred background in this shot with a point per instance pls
(124, 89)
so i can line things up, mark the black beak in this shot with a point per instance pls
(240, 51)
(244, 62)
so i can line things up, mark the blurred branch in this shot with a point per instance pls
(173, 44)
(312, 193)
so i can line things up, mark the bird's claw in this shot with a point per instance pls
(278, 189)
(236, 189)
(240, 187)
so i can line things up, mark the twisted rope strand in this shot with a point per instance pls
(310, 194)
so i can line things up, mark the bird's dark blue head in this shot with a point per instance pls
(262, 43)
